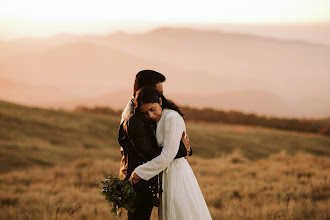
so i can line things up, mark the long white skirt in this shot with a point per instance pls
(181, 198)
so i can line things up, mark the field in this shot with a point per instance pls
(50, 162)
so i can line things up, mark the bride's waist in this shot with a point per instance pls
(176, 164)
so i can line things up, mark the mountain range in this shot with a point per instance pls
(204, 68)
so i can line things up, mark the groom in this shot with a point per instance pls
(139, 145)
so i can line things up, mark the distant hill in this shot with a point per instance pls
(39, 137)
(34, 95)
(292, 76)
(224, 54)
(79, 68)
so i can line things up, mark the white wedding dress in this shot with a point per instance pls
(181, 198)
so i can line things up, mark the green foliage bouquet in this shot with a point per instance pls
(119, 193)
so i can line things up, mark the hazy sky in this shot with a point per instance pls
(44, 17)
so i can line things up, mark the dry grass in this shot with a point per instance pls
(279, 187)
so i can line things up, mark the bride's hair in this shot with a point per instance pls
(150, 95)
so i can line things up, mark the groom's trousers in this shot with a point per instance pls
(143, 205)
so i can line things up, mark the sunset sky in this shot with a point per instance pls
(45, 17)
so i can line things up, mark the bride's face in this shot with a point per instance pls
(152, 111)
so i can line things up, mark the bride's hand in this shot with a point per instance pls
(134, 178)
(185, 140)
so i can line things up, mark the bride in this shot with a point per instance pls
(181, 198)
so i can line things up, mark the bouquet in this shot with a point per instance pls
(119, 193)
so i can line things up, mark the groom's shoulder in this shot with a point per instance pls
(136, 121)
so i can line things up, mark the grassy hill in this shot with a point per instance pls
(39, 137)
(68, 151)
(214, 139)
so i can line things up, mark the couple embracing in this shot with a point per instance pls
(155, 148)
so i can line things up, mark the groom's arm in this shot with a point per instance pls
(183, 151)
(184, 148)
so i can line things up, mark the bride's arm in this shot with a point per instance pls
(174, 126)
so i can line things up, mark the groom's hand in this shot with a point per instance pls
(185, 140)
(134, 178)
